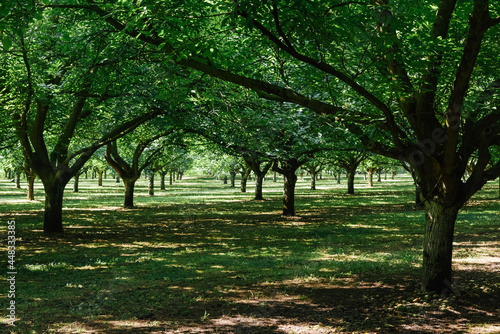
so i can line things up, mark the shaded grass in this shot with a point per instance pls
(201, 243)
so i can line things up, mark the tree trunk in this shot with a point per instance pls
(350, 180)
(289, 194)
(438, 247)
(244, 178)
(225, 179)
(171, 178)
(339, 175)
(31, 186)
(379, 175)
(151, 190)
(162, 180)
(233, 178)
(259, 181)
(75, 182)
(52, 219)
(418, 197)
(313, 178)
(129, 192)
(99, 182)
(18, 180)
(275, 176)
(117, 178)
(370, 177)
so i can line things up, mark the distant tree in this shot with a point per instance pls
(131, 155)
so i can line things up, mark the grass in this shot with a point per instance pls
(203, 256)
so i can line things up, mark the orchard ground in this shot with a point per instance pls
(201, 257)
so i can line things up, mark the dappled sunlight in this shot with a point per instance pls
(239, 265)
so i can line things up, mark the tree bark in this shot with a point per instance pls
(418, 197)
(162, 180)
(350, 180)
(370, 177)
(99, 182)
(290, 180)
(18, 179)
(233, 178)
(259, 182)
(438, 247)
(75, 182)
(151, 190)
(244, 178)
(313, 178)
(129, 192)
(52, 220)
(31, 186)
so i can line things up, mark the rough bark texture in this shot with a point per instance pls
(52, 220)
(438, 247)
(129, 192)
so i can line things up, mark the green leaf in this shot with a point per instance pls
(6, 42)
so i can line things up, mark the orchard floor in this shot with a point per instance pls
(201, 257)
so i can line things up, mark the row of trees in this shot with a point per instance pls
(416, 82)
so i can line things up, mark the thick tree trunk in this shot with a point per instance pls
(151, 190)
(350, 180)
(75, 182)
(339, 175)
(52, 219)
(289, 194)
(438, 247)
(31, 186)
(117, 178)
(129, 192)
(275, 177)
(259, 181)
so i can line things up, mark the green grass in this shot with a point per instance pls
(200, 243)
